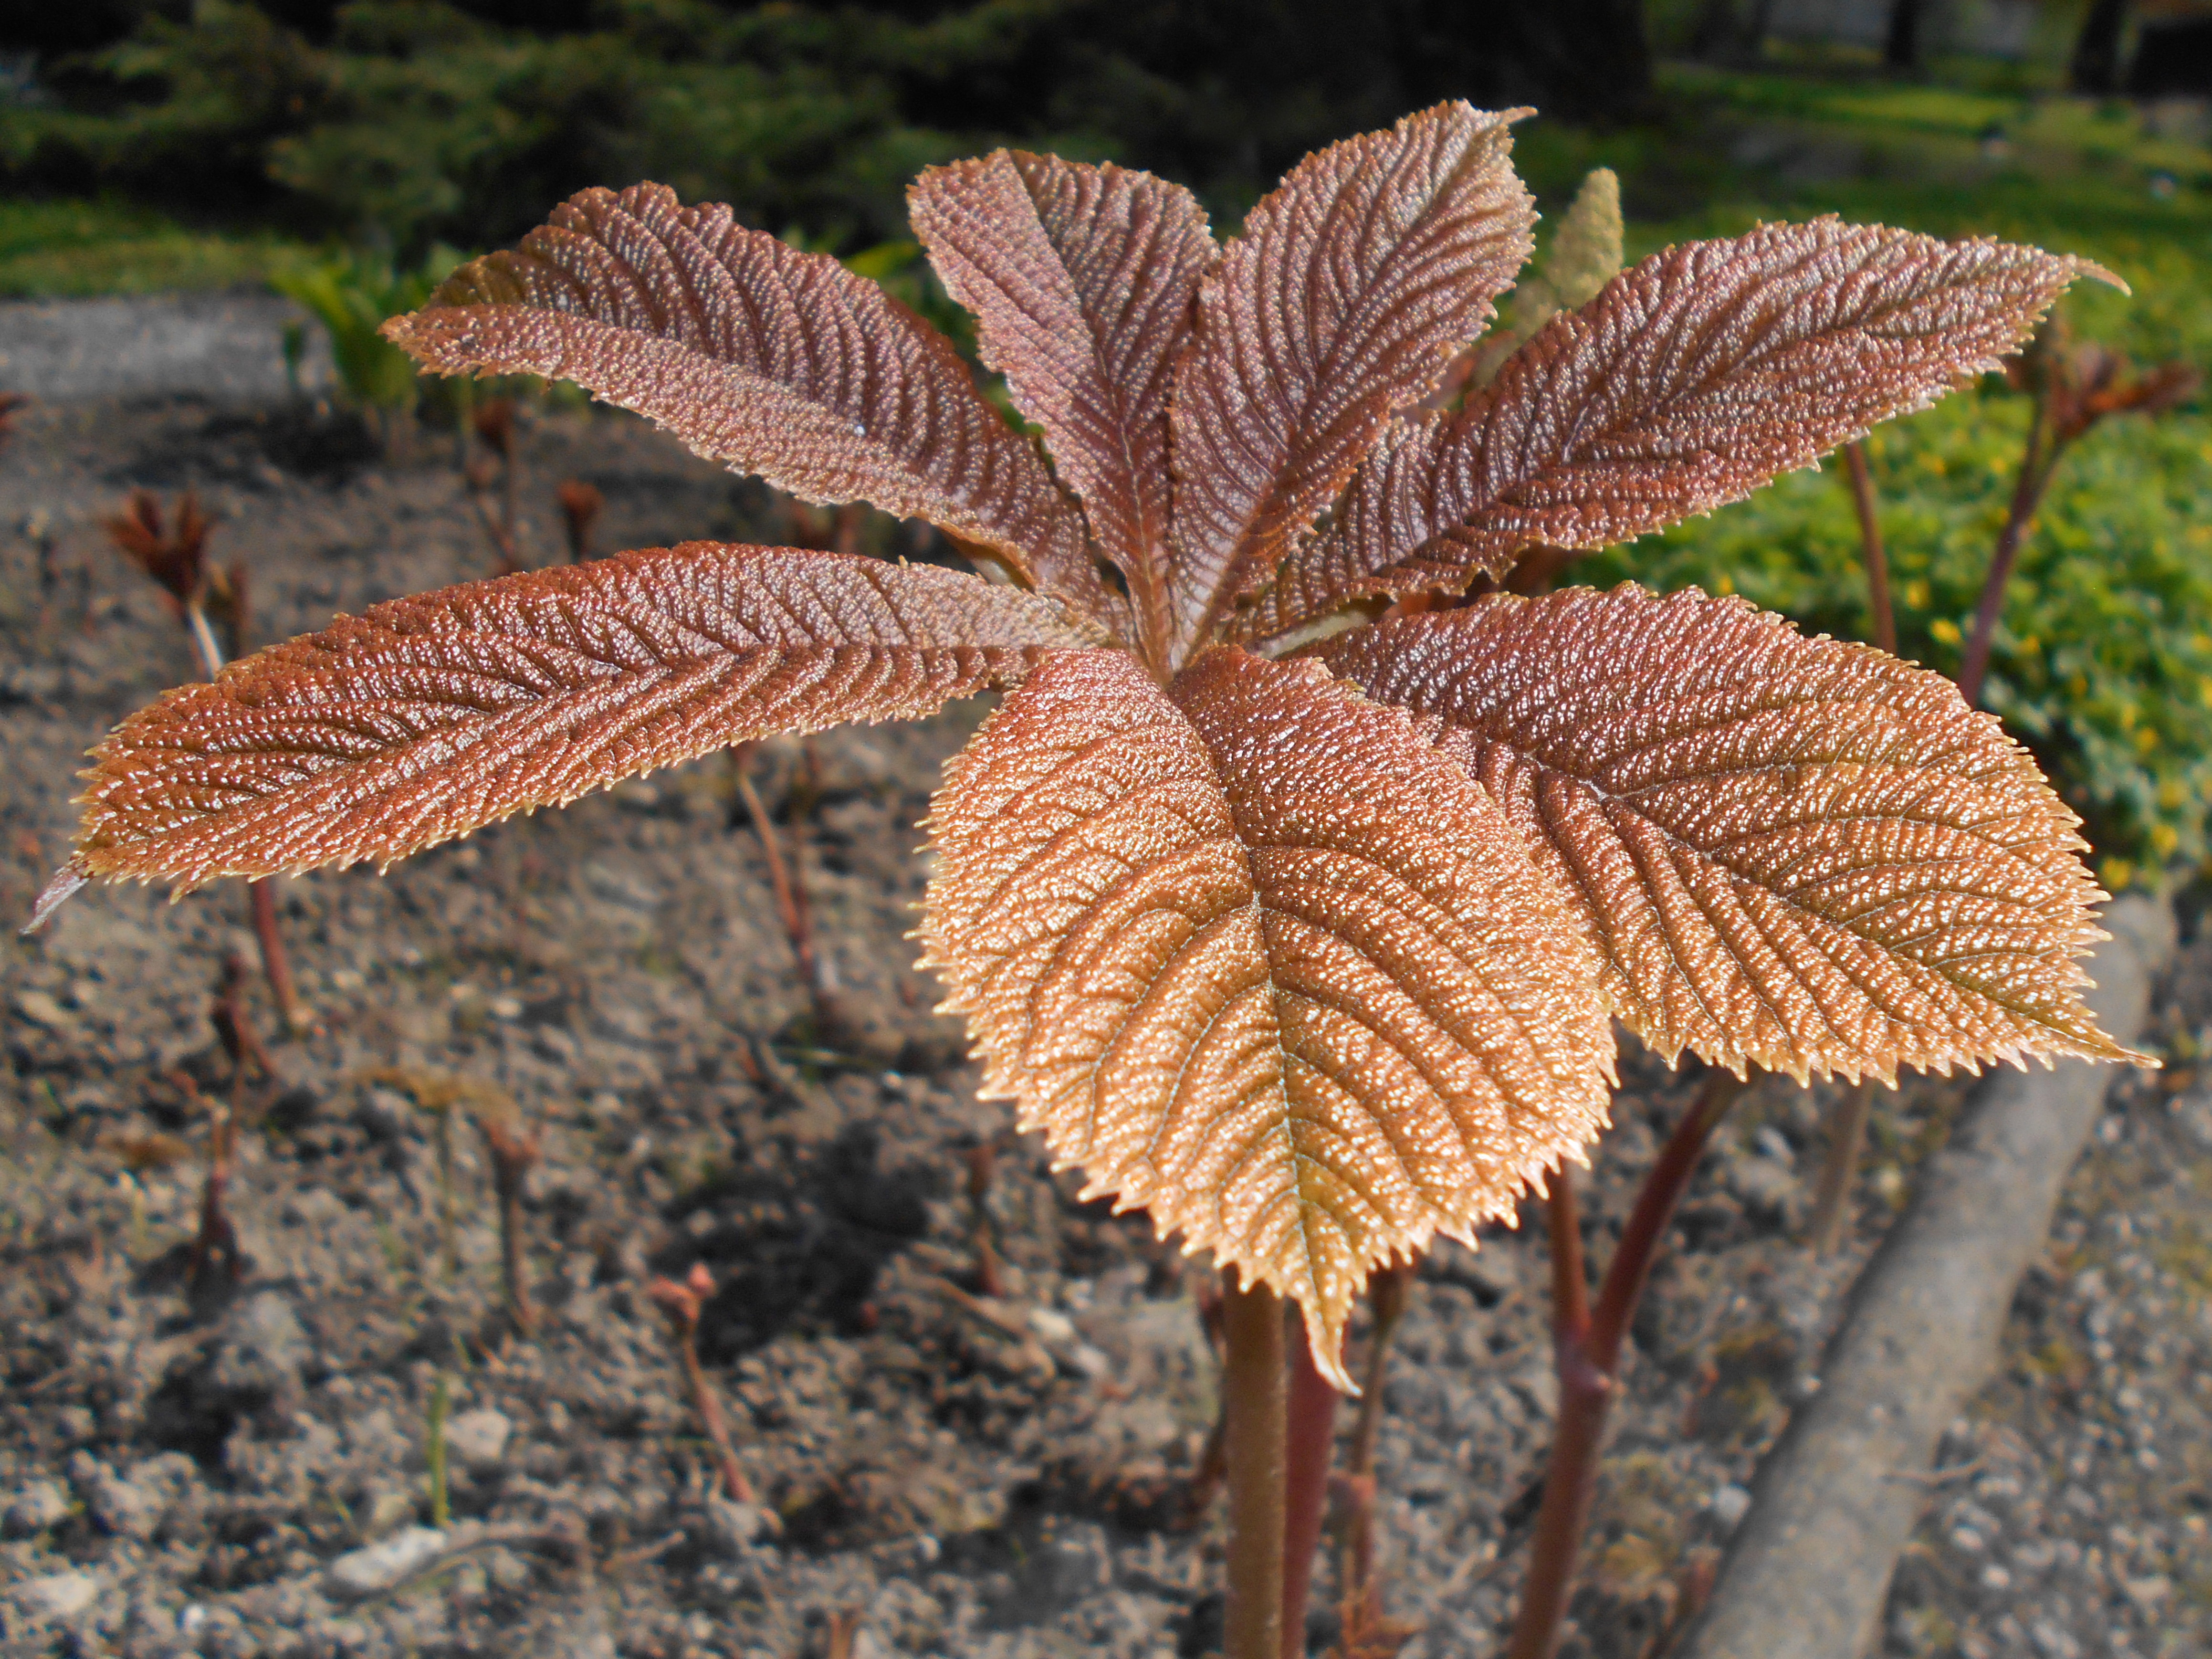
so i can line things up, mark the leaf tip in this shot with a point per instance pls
(59, 890)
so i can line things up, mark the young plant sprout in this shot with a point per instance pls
(581, 505)
(1296, 922)
(681, 1302)
(173, 555)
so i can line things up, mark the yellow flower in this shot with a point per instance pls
(1945, 630)
(2163, 840)
(2117, 875)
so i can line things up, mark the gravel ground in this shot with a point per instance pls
(969, 1475)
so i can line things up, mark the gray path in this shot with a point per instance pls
(226, 346)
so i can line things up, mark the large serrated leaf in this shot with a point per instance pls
(1689, 381)
(1352, 283)
(1263, 962)
(428, 717)
(1792, 851)
(1082, 280)
(772, 361)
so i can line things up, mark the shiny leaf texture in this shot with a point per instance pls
(1262, 962)
(1792, 851)
(1082, 280)
(772, 360)
(1354, 281)
(1690, 380)
(428, 717)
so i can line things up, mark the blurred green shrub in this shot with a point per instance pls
(351, 296)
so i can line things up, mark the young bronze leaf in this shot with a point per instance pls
(1793, 851)
(428, 717)
(1372, 262)
(1081, 279)
(775, 361)
(1690, 380)
(1263, 962)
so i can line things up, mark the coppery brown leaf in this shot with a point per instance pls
(1692, 378)
(1082, 280)
(772, 360)
(1263, 962)
(1353, 283)
(1793, 851)
(428, 717)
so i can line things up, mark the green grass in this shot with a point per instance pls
(54, 249)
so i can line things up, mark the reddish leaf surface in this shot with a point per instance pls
(1263, 962)
(1788, 851)
(775, 361)
(1690, 380)
(428, 717)
(1082, 280)
(1353, 281)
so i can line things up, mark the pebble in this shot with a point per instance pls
(41, 1505)
(1729, 1504)
(382, 1564)
(57, 1595)
(262, 1349)
(42, 1010)
(479, 1437)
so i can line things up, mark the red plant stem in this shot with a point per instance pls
(1253, 1388)
(709, 1406)
(275, 965)
(790, 903)
(216, 1241)
(1831, 1210)
(2035, 470)
(1870, 548)
(1309, 1438)
(1386, 1294)
(1586, 1350)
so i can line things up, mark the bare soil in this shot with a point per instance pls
(970, 1475)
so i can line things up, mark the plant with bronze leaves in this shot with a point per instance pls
(1292, 921)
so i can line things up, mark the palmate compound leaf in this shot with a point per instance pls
(1262, 962)
(428, 717)
(1692, 380)
(772, 360)
(1352, 284)
(1794, 852)
(1081, 279)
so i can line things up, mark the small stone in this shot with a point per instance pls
(738, 1526)
(42, 1010)
(379, 1566)
(41, 1505)
(1966, 1539)
(1996, 1577)
(479, 1437)
(1729, 1504)
(1052, 1325)
(57, 1595)
(261, 1350)
(2148, 1593)
(383, 1114)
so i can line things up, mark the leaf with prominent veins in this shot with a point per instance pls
(1264, 963)
(1081, 279)
(1353, 283)
(1689, 381)
(1793, 851)
(772, 360)
(431, 716)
